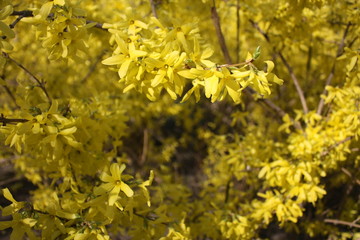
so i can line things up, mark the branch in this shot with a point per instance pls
(347, 172)
(227, 57)
(339, 52)
(153, 8)
(41, 84)
(93, 67)
(12, 25)
(326, 152)
(9, 180)
(29, 13)
(220, 35)
(5, 121)
(97, 25)
(145, 147)
(335, 221)
(25, 13)
(237, 30)
(289, 68)
(7, 89)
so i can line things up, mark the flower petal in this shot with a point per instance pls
(113, 196)
(126, 189)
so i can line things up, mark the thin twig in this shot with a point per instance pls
(9, 180)
(145, 147)
(24, 13)
(227, 57)
(153, 8)
(237, 30)
(336, 221)
(29, 13)
(12, 25)
(5, 121)
(339, 52)
(219, 33)
(233, 65)
(327, 151)
(274, 107)
(93, 67)
(347, 172)
(41, 84)
(8, 91)
(97, 25)
(288, 67)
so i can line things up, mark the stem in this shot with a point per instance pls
(335, 221)
(219, 33)
(41, 84)
(29, 13)
(7, 89)
(24, 13)
(93, 67)
(12, 25)
(5, 121)
(153, 8)
(289, 68)
(326, 152)
(227, 191)
(339, 52)
(237, 30)
(145, 147)
(227, 57)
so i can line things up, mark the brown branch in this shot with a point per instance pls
(93, 67)
(339, 52)
(7, 89)
(237, 30)
(24, 13)
(288, 67)
(5, 121)
(153, 8)
(326, 152)
(347, 172)
(10, 180)
(41, 84)
(336, 221)
(12, 25)
(29, 13)
(227, 57)
(219, 33)
(145, 147)
(97, 25)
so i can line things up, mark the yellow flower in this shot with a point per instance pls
(113, 184)
(125, 54)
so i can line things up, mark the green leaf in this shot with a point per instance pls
(256, 53)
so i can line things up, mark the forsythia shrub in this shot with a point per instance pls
(179, 119)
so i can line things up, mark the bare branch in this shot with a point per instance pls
(93, 67)
(145, 147)
(12, 25)
(153, 8)
(336, 221)
(288, 67)
(227, 57)
(5, 121)
(237, 30)
(339, 52)
(219, 33)
(41, 84)
(347, 172)
(327, 151)
(25, 13)
(28, 13)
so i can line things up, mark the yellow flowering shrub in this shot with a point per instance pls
(169, 119)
